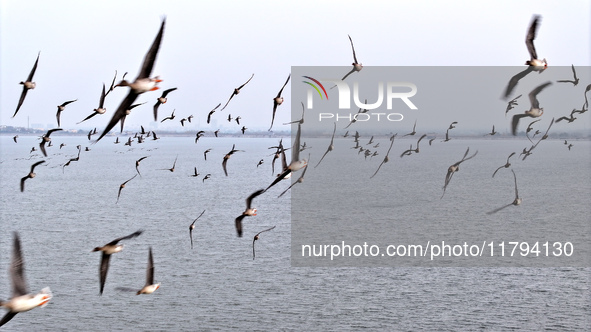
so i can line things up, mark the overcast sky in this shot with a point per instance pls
(209, 48)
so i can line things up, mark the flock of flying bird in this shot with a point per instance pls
(23, 301)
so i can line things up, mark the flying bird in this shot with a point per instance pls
(173, 166)
(128, 112)
(305, 146)
(112, 87)
(575, 79)
(227, 156)
(30, 175)
(534, 112)
(198, 135)
(207, 176)
(107, 250)
(354, 119)
(301, 120)
(546, 133)
(299, 180)
(530, 128)
(143, 82)
(568, 119)
(46, 139)
(330, 146)
(586, 104)
(356, 65)
(278, 100)
(149, 287)
(516, 201)
(447, 139)
(192, 227)
(511, 104)
(170, 117)
(205, 153)
(121, 186)
(237, 91)
(196, 174)
(256, 237)
(161, 100)
(415, 126)
(538, 65)
(492, 132)
(454, 168)
(296, 164)
(411, 150)
(534, 64)
(72, 159)
(21, 300)
(100, 109)
(27, 85)
(280, 152)
(211, 113)
(250, 211)
(507, 164)
(61, 108)
(137, 164)
(386, 158)
(526, 152)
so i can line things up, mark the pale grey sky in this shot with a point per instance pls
(211, 47)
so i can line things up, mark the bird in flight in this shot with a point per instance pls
(46, 139)
(31, 174)
(356, 65)
(100, 109)
(237, 91)
(575, 79)
(456, 167)
(278, 100)
(330, 146)
(27, 85)
(107, 250)
(61, 108)
(121, 186)
(516, 201)
(256, 237)
(249, 211)
(386, 158)
(161, 100)
(534, 112)
(143, 82)
(21, 300)
(192, 227)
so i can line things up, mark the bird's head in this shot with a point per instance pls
(122, 83)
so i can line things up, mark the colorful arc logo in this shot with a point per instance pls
(316, 87)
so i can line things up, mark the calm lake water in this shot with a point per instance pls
(65, 212)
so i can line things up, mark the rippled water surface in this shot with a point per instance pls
(67, 211)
